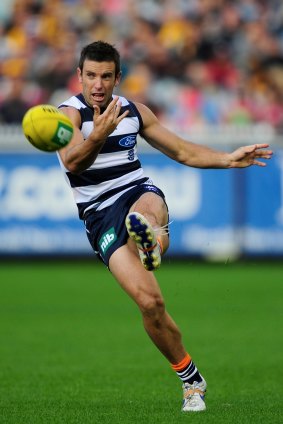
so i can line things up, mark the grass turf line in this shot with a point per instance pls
(73, 349)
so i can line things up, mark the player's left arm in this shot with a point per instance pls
(195, 155)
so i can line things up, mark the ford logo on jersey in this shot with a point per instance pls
(128, 141)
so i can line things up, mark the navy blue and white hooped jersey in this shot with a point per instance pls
(116, 168)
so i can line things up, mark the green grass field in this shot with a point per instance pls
(73, 349)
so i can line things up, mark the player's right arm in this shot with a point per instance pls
(80, 153)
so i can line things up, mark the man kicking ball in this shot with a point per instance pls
(125, 214)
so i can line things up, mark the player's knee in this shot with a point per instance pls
(152, 307)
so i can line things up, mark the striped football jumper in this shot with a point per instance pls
(116, 168)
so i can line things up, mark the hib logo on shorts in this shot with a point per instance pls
(63, 134)
(128, 141)
(107, 239)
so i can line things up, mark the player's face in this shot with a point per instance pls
(98, 81)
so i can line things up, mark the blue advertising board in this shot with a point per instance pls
(214, 213)
(37, 212)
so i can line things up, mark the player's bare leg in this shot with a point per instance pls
(141, 285)
(148, 217)
(143, 288)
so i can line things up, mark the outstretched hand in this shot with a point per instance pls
(106, 122)
(249, 155)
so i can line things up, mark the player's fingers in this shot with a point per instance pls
(266, 153)
(96, 110)
(251, 149)
(119, 119)
(261, 146)
(117, 109)
(258, 163)
(112, 104)
(256, 148)
(264, 156)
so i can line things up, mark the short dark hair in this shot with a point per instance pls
(100, 51)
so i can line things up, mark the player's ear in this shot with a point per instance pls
(79, 74)
(118, 78)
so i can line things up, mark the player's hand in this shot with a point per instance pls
(250, 155)
(107, 122)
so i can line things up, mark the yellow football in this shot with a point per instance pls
(46, 128)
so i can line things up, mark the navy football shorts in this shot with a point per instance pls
(106, 229)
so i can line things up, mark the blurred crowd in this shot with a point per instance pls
(194, 62)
